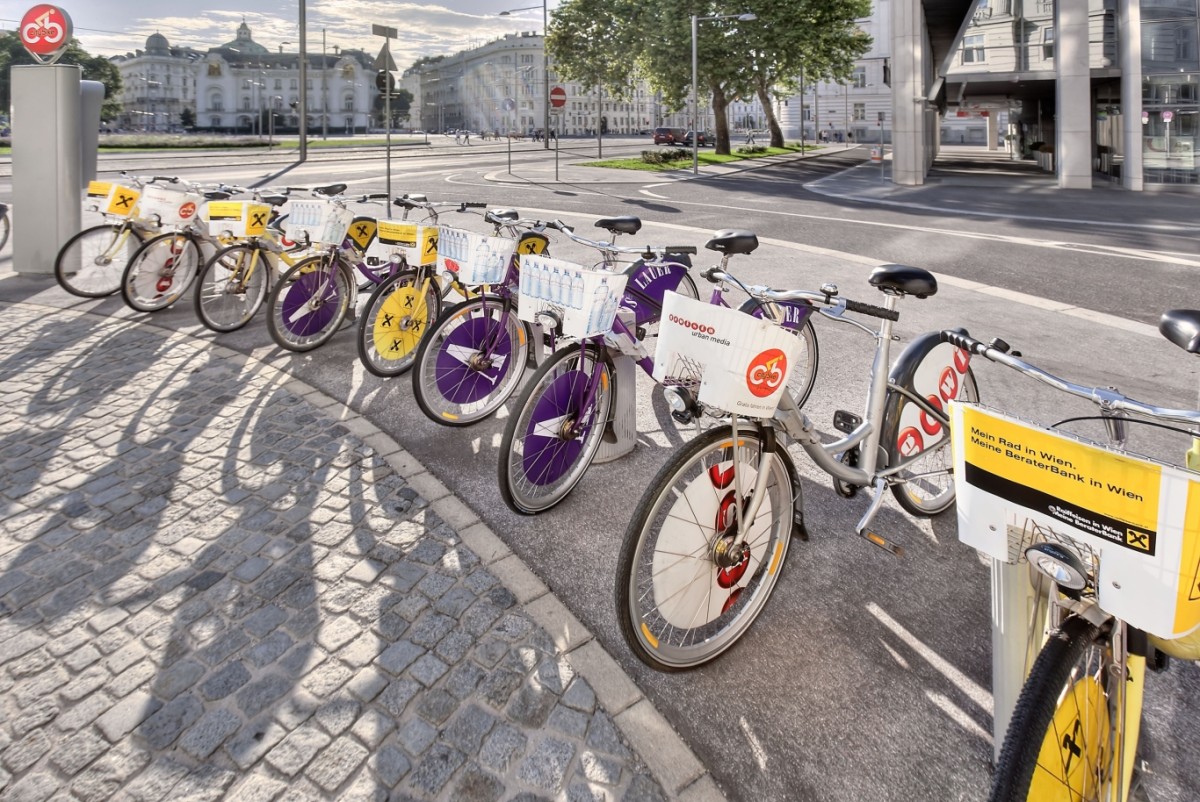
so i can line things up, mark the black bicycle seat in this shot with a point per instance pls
(217, 195)
(625, 224)
(501, 215)
(903, 280)
(332, 189)
(274, 200)
(731, 241)
(1182, 327)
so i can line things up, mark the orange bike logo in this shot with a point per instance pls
(45, 32)
(691, 324)
(766, 372)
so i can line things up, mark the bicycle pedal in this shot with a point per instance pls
(845, 421)
(883, 543)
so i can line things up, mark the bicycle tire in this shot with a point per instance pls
(5, 229)
(457, 382)
(91, 263)
(232, 286)
(678, 609)
(1059, 702)
(395, 321)
(927, 488)
(803, 375)
(308, 303)
(160, 271)
(539, 466)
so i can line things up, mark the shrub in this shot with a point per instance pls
(665, 156)
(750, 150)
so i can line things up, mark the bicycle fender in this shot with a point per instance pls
(932, 370)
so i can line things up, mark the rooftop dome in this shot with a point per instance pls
(244, 44)
(157, 43)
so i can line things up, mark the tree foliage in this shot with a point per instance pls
(95, 68)
(605, 42)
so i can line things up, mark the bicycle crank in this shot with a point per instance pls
(845, 489)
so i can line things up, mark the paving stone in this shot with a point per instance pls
(34, 787)
(296, 708)
(260, 693)
(435, 769)
(580, 696)
(600, 769)
(604, 736)
(436, 706)
(337, 763)
(475, 784)
(372, 727)
(41, 712)
(261, 622)
(367, 684)
(209, 733)
(326, 679)
(156, 780)
(503, 747)
(545, 765)
(127, 714)
(569, 722)
(296, 750)
(162, 728)
(498, 686)
(390, 765)
(84, 712)
(257, 788)
(106, 775)
(337, 715)
(204, 783)
(78, 751)
(253, 742)
(643, 789)
(428, 670)
(227, 680)
(463, 680)
(395, 698)
(416, 736)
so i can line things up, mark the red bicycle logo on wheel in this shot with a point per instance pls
(46, 32)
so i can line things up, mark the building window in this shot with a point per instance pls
(348, 103)
(308, 83)
(216, 122)
(215, 103)
(214, 70)
(245, 104)
(295, 83)
(806, 115)
(860, 111)
(859, 79)
(973, 50)
(348, 72)
(278, 84)
(1048, 43)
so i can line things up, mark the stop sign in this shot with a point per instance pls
(45, 32)
(558, 97)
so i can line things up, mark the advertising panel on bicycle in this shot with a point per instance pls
(474, 258)
(114, 199)
(1018, 484)
(318, 222)
(167, 207)
(237, 219)
(740, 363)
(418, 244)
(584, 300)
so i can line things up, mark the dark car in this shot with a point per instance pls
(668, 136)
(703, 141)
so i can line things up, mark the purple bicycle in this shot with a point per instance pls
(566, 410)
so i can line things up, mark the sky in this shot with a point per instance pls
(115, 27)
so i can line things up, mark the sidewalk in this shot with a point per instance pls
(217, 582)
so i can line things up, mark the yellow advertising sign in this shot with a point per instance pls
(362, 231)
(122, 201)
(419, 242)
(1105, 494)
(239, 218)
(1187, 606)
(98, 189)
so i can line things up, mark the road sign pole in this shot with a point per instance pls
(384, 62)
(557, 125)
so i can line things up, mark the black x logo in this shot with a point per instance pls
(1139, 540)
(362, 230)
(1070, 743)
(432, 245)
(258, 219)
(387, 320)
(395, 345)
(124, 200)
(408, 302)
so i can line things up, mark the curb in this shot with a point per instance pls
(667, 756)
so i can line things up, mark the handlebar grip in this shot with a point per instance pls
(298, 189)
(872, 310)
(171, 179)
(964, 341)
(688, 249)
(475, 205)
(376, 196)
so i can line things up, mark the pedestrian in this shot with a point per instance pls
(750, 136)
(466, 137)
(457, 137)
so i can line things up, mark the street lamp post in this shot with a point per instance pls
(545, 70)
(695, 92)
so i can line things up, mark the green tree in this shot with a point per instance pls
(187, 118)
(95, 68)
(401, 107)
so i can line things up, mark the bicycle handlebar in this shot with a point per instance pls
(1106, 398)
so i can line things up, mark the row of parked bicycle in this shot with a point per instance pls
(707, 541)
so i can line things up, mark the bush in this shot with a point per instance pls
(750, 150)
(665, 156)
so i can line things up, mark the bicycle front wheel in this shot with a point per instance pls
(470, 362)
(554, 435)
(398, 316)
(927, 488)
(92, 262)
(687, 586)
(231, 287)
(1062, 741)
(160, 271)
(309, 303)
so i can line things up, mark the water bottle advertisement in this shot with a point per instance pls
(318, 222)
(475, 258)
(585, 300)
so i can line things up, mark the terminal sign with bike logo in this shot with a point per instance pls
(46, 32)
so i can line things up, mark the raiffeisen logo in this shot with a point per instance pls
(692, 325)
(766, 372)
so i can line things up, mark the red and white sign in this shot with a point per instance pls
(558, 97)
(46, 32)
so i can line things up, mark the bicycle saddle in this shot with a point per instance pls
(625, 224)
(332, 189)
(903, 280)
(731, 241)
(217, 195)
(501, 215)
(1182, 327)
(274, 200)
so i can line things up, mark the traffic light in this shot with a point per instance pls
(385, 82)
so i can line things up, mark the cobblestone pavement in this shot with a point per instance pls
(212, 588)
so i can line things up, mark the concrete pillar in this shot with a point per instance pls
(1073, 105)
(993, 130)
(910, 53)
(1129, 42)
(46, 174)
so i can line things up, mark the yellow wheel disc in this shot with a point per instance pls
(400, 323)
(1076, 748)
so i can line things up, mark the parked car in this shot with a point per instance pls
(687, 139)
(668, 136)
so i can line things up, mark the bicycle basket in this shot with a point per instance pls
(739, 362)
(418, 244)
(1136, 521)
(167, 207)
(237, 219)
(320, 222)
(475, 258)
(118, 200)
(583, 299)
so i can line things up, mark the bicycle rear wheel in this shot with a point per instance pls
(686, 588)
(231, 287)
(309, 303)
(5, 229)
(927, 488)
(554, 434)
(803, 374)
(91, 263)
(160, 271)
(397, 317)
(1062, 741)
(470, 362)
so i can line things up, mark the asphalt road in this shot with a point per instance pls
(868, 676)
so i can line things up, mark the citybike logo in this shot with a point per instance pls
(948, 383)
(691, 324)
(766, 372)
(187, 210)
(45, 31)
